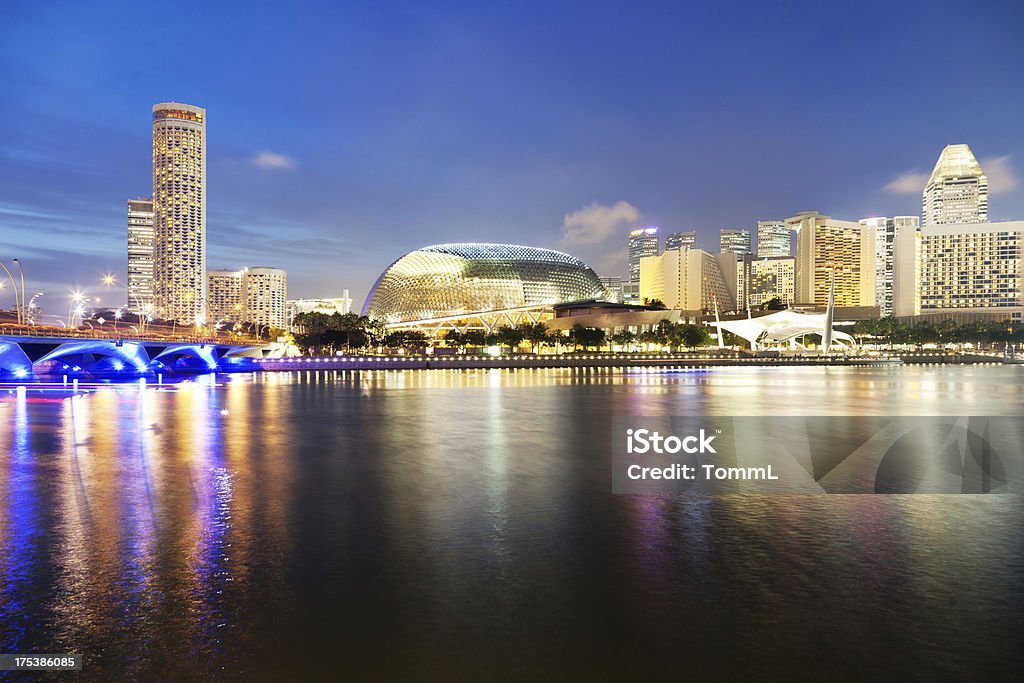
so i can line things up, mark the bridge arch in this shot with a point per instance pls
(124, 356)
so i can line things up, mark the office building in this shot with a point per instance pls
(886, 263)
(140, 254)
(773, 239)
(249, 295)
(772, 277)
(179, 212)
(678, 240)
(906, 273)
(973, 269)
(735, 241)
(686, 279)
(957, 191)
(642, 242)
(224, 292)
(264, 297)
(614, 286)
(825, 246)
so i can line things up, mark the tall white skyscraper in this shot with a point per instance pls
(140, 254)
(906, 272)
(179, 212)
(735, 241)
(957, 191)
(642, 242)
(773, 238)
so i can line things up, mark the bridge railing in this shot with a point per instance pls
(118, 335)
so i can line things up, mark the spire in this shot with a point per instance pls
(956, 161)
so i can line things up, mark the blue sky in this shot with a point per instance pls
(342, 135)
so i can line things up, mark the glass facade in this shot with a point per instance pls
(455, 279)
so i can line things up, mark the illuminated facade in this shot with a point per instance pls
(224, 292)
(265, 297)
(886, 261)
(140, 254)
(249, 295)
(957, 191)
(769, 278)
(824, 244)
(179, 212)
(642, 242)
(687, 279)
(678, 240)
(773, 238)
(973, 268)
(734, 241)
(906, 274)
(452, 280)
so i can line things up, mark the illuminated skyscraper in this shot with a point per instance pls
(824, 245)
(773, 239)
(677, 240)
(888, 262)
(140, 254)
(265, 297)
(733, 241)
(179, 212)
(224, 294)
(957, 191)
(642, 242)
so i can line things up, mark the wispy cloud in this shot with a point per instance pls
(911, 182)
(1001, 176)
(595, 223)
(272, 161)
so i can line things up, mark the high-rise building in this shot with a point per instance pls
(973, 268)
(767, 278)
(250, 295)
(179, 212)
(642, 242)
(957, 191)
(825, 245)
(886, 263)
(678, 240)
(735, 241)
(773, 239)
(686, 279)
(140, 254)
(265, 296)
(613, 284)
(224, 293)
(906, 272)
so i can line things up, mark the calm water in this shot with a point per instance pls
(438, 525)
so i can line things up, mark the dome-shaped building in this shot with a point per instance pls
(455, 279)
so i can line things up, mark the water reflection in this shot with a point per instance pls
(443, 523)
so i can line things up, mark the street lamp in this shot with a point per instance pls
(17, 299)
(24, 313)
(31, 305)
(76, 298)
(141, 311)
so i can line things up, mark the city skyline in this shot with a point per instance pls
(441, 166)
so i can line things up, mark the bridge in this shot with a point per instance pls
(75, 353)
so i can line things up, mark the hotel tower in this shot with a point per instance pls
(179, 212)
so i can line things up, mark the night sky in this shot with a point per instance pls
(342, 135)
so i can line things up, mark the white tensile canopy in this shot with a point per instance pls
(782, 326)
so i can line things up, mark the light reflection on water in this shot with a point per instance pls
(442, 523)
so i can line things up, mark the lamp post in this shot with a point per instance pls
(30, 318)
(17, 299)
(141, 312)
(76, 297)
(24, 313)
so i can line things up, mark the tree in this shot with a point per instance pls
(657, 304)
(509, 336)
(773, 304)
(536, 333)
